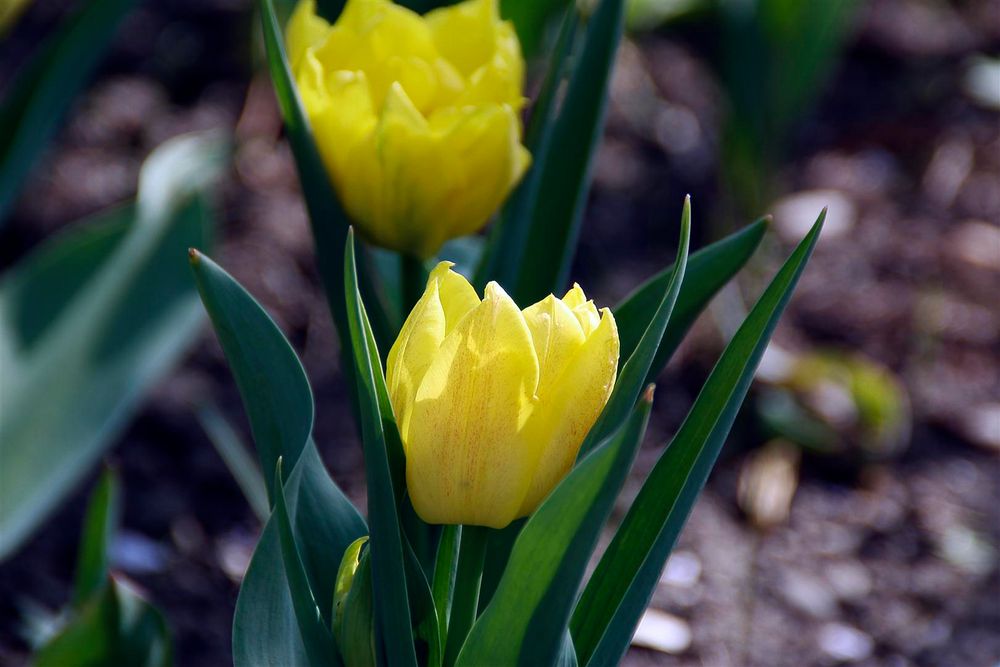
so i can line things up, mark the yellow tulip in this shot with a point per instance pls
(493, 402)
(416, 117)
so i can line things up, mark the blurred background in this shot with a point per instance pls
(855, 514)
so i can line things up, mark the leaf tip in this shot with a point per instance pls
(194, 256)
(647, 396)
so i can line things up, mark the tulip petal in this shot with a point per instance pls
(446, 300)
(466, 461)
(557, 337)
(562, 418)
(305, 29)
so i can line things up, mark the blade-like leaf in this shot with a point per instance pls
(45, 88)
(525, 623)
(272, 383)
(566, 164)
(633, 374)
(99, 526)
(116, 627)
(620, 588)
(392, 608)
(265, 629)
(316, 637)
(707, 271)
(328, 218)
(88, 323)
(507, 245)
(279, 404)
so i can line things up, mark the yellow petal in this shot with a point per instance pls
(305, 29)
(562, 418)
(465, 459)
(557, 336)
(464, 33)
(446, 300)
(489, 159)
(583, 308)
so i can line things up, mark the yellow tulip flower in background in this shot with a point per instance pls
(416, 117)
(493, 402)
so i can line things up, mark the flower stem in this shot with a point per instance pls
(466, 600)
(412, 280)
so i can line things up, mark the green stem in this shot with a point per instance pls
(445, 573)
(412, 280)
(465, 602)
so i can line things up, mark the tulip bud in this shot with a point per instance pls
(493, 402)
(415, 117)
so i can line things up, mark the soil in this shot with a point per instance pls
(887, 560)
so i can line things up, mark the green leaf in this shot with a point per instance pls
(620, 588)
(525, 623)
(392, 607)
(508, 241)
(531, 18)
(272, 382)
(237, 459)
(315, 636)
(45, 88)
(707, 271)
(88, 323)
(328, 219)
(445, 569)
(115, 627)
(425, 617)
(279, 404)
(565, 165)
(265, 629)
(633, 374)
(99, 526)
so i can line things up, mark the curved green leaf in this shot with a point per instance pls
(392, 606)
(619, 590)
(565, 164)
(633, 374)
(316, 636)
(272, 382)
(265, 628)
(328, 219)
(525, 622)
(99, 526)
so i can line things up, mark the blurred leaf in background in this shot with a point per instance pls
(43, 90)
(109, 622)
(774, 57)
(89, 322)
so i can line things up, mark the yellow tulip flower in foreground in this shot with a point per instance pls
(416, 117)
(493, 402)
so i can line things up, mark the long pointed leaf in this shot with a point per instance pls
(328, 219)
(623, 582)
(632, 377)
(272, 382)
(525, 623)
(265, 628)
(566, 164)
(316, 637)
(392, 608)
(99, 526)
(502, 258)
(707, 271)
